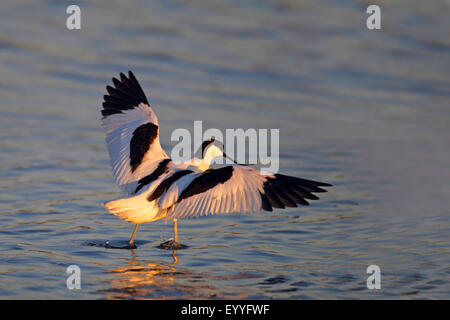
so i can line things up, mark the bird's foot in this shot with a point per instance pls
(128, 246)
(172, 245)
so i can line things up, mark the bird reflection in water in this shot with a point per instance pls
(143, 280)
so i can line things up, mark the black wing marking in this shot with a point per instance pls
(166, 183)
(207, 180)
(141, 141)
(160, 170)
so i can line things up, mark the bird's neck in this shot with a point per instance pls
(202, 164)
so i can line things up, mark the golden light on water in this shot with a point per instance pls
(158, 281)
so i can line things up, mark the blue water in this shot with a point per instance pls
(367, 111)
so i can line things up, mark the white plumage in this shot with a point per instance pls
(119, 129)
(239, 194)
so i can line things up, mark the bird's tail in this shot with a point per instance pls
(134, 209)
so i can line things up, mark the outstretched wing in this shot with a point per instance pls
(235, 189)
(132, 133)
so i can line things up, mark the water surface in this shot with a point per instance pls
(367, 111)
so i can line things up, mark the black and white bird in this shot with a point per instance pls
(156, 187)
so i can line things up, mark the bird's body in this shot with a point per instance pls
(156, 187)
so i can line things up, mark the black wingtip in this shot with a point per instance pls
(117, 83)
(283, 191)
(126, 94)
(323, 184)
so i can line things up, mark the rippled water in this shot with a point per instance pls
(365, 110)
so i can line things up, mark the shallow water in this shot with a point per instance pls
(367, 111)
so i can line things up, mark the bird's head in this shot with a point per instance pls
(212, 149)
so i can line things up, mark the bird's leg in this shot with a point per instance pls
(174, 256)
(131, 243)
(172, 244)
(175, 233)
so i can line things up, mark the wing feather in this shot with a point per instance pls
(246, 190)
(132, 133)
